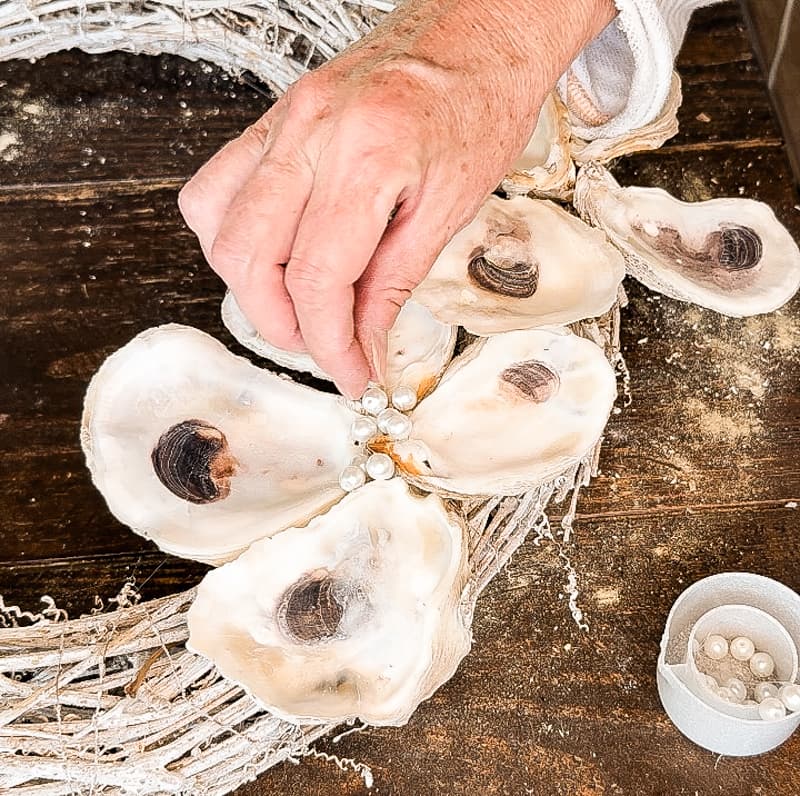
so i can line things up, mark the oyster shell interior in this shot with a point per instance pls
(511, 412)
(418, 347)
(522, 263)
(357, 615)
(545, 167)
(203, 452)
(731, 255)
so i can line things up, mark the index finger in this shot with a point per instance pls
(338, 233)
(205, 199)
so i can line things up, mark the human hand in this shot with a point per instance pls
(421, 120)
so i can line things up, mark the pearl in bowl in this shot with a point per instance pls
(742, 648)
(790, 696)
(715, 646)
(771, 709)
(762, 664)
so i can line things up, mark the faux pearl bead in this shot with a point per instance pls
(404, 398)
(762, 665)
(711, 682)
(790, 696)
(771, 709)
(737, 688)
(363, 429)
(716, 647)
(359, 460)
(374, 400)
(398, 426)
(394, 423)
(742, 648)
(726, 694)
(380, 467)
(352, 477)
(762, 691)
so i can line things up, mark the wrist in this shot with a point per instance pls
(517, 47)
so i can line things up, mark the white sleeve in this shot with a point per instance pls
(621, 79)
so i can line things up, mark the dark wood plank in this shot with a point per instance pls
(117, 116)
(723, 88)
(76, 582)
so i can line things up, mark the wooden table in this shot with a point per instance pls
(699, 475)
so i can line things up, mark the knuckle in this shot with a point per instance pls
(394, 295)
(307, 96)
(190, 202)
(227, 256)
(255, 136)
(304, 279)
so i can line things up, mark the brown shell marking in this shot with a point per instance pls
(193, 461)
(730, 249)
(512, 279)
(384, 444)
(533, 379)
(309, 610)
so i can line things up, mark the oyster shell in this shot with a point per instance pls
(545, 167)
(651, 136)
(202, 452)
(245, 333)
(356, 615)
(730, 255)
(419, 346)
(511, 412)
(522, 263)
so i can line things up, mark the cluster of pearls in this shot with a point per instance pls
(382, 417)
(773, 699)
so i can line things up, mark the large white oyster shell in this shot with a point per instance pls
(203, 452)
(522, 263)
(545, 167)
(355, 615)
(730, 255)
(511, 412)
(419, 347)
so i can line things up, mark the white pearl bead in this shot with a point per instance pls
(762, 665)
(711, 682)
(359, 460)
(380, 467)
(742, 648)
(398, 426)
(716, 647)
(771, 709)
(762, 691)
(737, 688)
(404, 398)
(363, 429)
(374, 400)
(790, 696)
(352, 477)
(726, 694)
(394, 423)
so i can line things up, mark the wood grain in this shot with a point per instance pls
(699, 473)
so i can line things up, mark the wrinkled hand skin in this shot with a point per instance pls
(421, 118)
